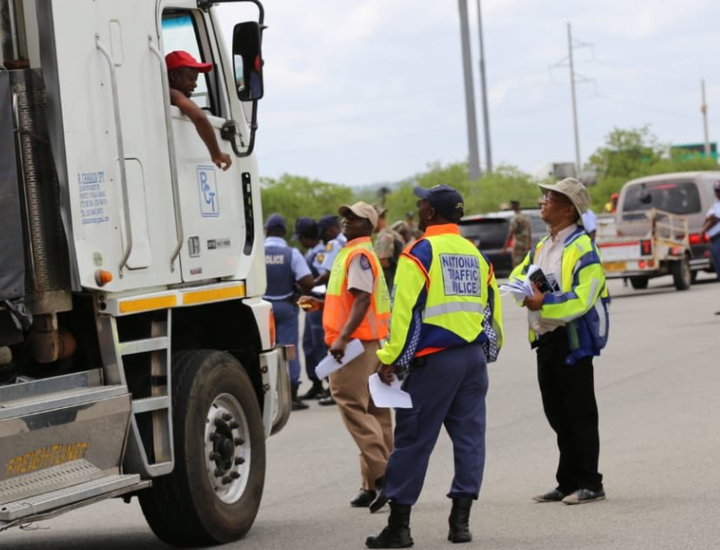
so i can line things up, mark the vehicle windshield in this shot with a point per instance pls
(674, 197)
(487, 233)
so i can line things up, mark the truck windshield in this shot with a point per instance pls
(674, 197)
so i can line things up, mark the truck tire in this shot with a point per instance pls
(639, 283)
(214, 492)
(682, 275)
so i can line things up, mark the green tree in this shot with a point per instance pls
(485, 195)
(295, 196)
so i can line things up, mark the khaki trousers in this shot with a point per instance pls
(369, 426)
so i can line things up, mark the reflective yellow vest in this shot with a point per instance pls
(339, 301)
(455, 282)
(582, 303)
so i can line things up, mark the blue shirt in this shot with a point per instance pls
(298, 264)
(331, 251)
(714, 211)
(315, 257)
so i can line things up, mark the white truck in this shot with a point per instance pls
(137, 357)
(643, 244)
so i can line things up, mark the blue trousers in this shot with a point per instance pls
(313, 343)
(287, 330)
(715, 253)
(448, 387)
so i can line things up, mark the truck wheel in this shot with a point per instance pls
(682, 275)
(213, 494)
(639, 283)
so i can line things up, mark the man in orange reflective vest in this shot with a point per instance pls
(357, 306)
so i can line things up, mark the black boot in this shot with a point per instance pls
(297, 405)
(381, 498)
(459, 520)
(397, 532)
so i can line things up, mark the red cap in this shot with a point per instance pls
(179, 58)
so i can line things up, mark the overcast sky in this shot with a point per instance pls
(367, 91)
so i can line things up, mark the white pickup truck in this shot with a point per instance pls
(644, 244)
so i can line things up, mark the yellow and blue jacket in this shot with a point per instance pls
(582, 303)
(445, 295)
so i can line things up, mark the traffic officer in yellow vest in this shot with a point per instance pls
(568, 328)
(446, 325)
(357, 305)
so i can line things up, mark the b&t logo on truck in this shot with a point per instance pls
(207, 188)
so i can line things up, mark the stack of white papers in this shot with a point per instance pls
(519, 288)
(388, 396)
(329, 365)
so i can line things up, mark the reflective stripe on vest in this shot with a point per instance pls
(442, 309)
(339, 300)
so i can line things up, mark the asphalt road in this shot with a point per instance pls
(658, 386)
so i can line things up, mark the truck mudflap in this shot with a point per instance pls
(276, 387)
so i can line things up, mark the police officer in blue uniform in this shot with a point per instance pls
(332, 235)
(307, 232)
(286, 272)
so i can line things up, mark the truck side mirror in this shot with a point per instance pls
(247, 60)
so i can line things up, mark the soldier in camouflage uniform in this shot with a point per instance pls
(520, 229)
(388, 245)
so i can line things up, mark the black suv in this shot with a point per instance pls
(489, 231)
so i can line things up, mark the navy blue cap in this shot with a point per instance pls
(306, 227)
(327, 221)
(275, 221)
(444, 199)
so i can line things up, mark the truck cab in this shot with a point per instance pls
(137, 356)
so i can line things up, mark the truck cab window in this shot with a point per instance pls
(180, 32)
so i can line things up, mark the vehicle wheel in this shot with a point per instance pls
(213, 494)
(639, 283)
(682, 275)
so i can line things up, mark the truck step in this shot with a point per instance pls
(62, 498)
(41, 402)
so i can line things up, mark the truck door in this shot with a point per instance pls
(211, 200)
(110, 93)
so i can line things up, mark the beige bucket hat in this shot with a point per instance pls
(573, 190)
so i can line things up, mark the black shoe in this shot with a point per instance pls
(717, 313)
(459, 520)
(397, 532)
(315, 392)
(556, 495)
(326, 401)
(381, 498)
(583, 496)
(363, 499)
(296, 404)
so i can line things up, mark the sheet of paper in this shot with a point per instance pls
(520, 288)
(329, 365)
(388, 396)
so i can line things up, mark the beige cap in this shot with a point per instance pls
(381, 210)
(573, 190)
(361, 210)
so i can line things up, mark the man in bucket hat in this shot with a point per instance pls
(183, 70)
(568, 327)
